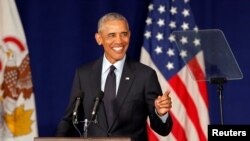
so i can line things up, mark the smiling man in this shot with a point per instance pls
(114, 35)
(131, 91)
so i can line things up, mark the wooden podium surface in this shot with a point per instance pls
(82, 139)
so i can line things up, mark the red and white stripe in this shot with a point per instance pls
(189, 101)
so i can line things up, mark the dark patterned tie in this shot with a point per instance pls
(110, 94)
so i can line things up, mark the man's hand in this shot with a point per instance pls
(163, 103)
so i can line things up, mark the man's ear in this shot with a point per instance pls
(98, 39)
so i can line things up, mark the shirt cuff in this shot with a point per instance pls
(164, 117)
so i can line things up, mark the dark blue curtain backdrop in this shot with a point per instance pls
(60, 36)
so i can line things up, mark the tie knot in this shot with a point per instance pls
(112, 68)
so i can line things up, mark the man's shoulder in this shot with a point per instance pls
(139, 66)
(93, 64)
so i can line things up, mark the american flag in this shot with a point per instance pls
(189, 97)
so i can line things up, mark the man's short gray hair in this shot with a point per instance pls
(110, 16)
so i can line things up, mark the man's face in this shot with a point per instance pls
(114, 36)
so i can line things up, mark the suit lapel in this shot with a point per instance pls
(125, 84)
(95, 80)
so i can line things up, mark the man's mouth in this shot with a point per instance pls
(117, 48)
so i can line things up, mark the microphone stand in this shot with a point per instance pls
(86, 125)
(85, 128)
(93, 119)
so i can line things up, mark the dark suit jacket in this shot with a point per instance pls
(138, 89)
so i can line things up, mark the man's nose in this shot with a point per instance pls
(118, 39)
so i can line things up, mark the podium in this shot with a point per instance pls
(82, 139)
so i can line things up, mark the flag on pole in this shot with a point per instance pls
(17, 102)
(189, 97)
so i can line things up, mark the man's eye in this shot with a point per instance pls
(111, 35)
(125, 34)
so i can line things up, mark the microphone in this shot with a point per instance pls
(75, 111)
(98, 99)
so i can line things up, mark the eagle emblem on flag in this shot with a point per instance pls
(16, 86)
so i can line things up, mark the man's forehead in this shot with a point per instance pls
(114, 24)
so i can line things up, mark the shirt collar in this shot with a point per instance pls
(118, 65)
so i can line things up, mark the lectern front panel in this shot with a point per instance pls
(81, 139)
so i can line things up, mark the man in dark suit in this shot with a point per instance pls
(137, 93)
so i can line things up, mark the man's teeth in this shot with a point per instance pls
(117, 48)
